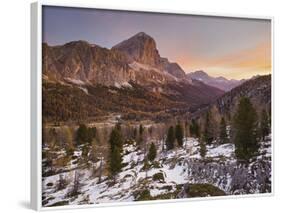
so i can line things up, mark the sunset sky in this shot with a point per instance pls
(229, 47)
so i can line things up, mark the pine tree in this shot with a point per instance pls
(115, 161)
(135, 134)
(194, 129)
(208, 130)
(82, 135)
(264, 124)
(152, 152)
(92, 132)
(179, 134)
(141, 130)
(116, 144)
(116, 139)
(244, 129)
(223, 133)
(186, 129)
(170, 138)
(203, 149)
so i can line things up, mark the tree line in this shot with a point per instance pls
(245, 129)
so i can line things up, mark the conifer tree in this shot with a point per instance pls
(203, 150)
(82, 135)
(264, 124)
(194, 129)
(186, 129)
(141, 130)
(116, 144)
(179, 134)
(116, 139)
(135, 133)
(208, 129)
(223, 133)
(152, 152)
(244, 129)
(170, 138)
(92, 132)
(115, 163)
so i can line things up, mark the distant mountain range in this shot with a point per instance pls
(219, 82)
(131, 78)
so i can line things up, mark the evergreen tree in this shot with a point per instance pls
(115, 163)
(223, 133)
(194, 129)
(135, 134)
(179, 134)
(116, 144)
(152, 152)
(82, 135)
(203, 149)
(118, 126)
(116, 139)
(186, 129)
(208, 129)
(92, 132)
(141, 130)
(245, 126)
(170, 138)
(85, 151)
(264, 124)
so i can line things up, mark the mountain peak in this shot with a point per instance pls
(199, 73)
(142, 34)
(141, 48)
(219, 82)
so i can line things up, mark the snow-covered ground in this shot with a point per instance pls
(179, 166)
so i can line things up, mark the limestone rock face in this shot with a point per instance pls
(141, 48)
(82, 62)
(135, 59)
(172, 68)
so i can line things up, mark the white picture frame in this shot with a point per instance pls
(36, 103)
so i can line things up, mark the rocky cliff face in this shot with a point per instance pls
(141, 48)
(82, 62)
